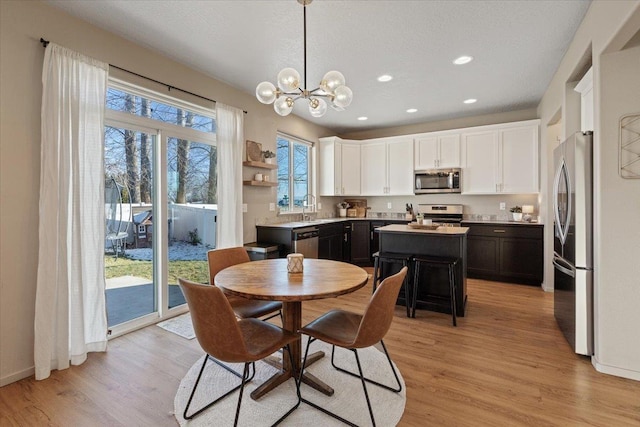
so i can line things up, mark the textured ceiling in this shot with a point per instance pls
(516, 45)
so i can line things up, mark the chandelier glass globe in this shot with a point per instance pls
(266, 92)
(283, 105)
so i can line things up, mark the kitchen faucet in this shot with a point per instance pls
(305, 203)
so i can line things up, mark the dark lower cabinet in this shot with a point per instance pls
(360, 239)
(505, 252)
(330, 241)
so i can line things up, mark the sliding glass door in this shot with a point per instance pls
(129, 204)
(162, 157)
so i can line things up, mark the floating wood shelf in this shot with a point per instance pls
(262, 165)
(260, 183)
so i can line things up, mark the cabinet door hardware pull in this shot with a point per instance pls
(499, 231)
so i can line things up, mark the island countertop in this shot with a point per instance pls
(403, 228)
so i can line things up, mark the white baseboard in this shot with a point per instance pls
(612, 370)
(17, 376)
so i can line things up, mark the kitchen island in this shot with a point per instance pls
(433, 293)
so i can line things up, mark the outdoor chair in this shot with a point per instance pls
(353, 331)
(223, 337)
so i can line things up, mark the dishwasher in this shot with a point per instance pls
(305, 241)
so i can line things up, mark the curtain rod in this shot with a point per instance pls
(45, 43)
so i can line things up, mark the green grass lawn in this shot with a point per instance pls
(197, 271)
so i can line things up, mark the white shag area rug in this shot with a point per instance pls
(179, 325)
(348, 400)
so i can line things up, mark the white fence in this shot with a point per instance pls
(186, 218)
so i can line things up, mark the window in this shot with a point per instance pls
(294, 171)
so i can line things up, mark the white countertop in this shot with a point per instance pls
(402, 228)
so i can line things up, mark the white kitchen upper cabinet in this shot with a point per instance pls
(437, 151)
(585, 87)
(350, 169)
(339, 167)
(399, 172)
(373, 168)
(519, 160)
(387, 167)
(480, 156)
(501, 159)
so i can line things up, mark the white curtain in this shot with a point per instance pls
(229, 137)
(70, 315)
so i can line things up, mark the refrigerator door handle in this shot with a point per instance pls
(563, 266)
(562, 230)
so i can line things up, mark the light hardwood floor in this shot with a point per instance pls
(505, 364)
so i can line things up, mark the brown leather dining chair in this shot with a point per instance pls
(223, 337)
(244, 308)
(353, 331)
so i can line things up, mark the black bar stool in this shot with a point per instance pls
(392, 258)
(435, 262)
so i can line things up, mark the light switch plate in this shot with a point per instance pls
(503, 206)
(319, 206)
(389, 205)
(272, 207)
(244, 208)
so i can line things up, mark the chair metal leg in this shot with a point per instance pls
(297, 391)
(308, 402)
(244, 375)
(398, 389)
(364, 387)
(195, 386)
(236, 373)
(359, 375)
(279, 313)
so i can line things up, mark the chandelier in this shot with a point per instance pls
(332, 87)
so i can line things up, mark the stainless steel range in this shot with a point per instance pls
(445, 215)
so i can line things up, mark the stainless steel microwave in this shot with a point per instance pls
(436, 181)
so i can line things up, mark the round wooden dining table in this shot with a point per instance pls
(269, 280)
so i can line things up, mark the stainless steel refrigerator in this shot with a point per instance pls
(573, 240)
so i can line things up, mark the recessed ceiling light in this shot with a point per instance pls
(463, 60)
(363, 118)
(412, 110)
(470, 101)
(385, 78)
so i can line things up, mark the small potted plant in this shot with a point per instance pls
(516, 211)
(268, 156)
(342, 209)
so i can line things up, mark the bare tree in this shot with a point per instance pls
(145, 157)
(183, 158)
(131, 155)
(212, 187)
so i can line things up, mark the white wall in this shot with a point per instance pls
(618, 253)
(607, 25)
